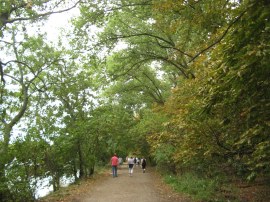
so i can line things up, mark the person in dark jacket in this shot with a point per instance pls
(143, 164)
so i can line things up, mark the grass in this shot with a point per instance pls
(198, 188)
(220, 189)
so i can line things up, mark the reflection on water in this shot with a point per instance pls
(44, 187)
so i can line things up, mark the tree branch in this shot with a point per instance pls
(139, 63)
(155, 86)
(153, 95)
(166, 59)
(120, 6)
(219, 40)
(172, 45)
(41, 15)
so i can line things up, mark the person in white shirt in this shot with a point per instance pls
(130, 165)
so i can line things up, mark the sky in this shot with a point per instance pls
(58, 21)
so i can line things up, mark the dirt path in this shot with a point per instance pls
(141, 187)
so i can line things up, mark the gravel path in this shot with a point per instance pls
(141, 187)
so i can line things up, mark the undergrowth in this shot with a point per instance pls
(200, 189)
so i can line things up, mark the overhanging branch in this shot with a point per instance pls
(220, 38)
(41, 15)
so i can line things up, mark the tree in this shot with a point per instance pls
(219, 117)
(239, 95)
(111, 123)
(173, 34)
(33, 60)
(21, 71)
(27, 168)
(20, 11)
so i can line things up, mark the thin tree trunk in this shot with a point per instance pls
(81, 164)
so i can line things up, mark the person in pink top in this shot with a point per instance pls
(114, 163)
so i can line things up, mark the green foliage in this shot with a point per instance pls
(185, 83)
(19, 182)
(110, 123)
(239, 89)
(163, 157)
(220, 118)
(26, 167)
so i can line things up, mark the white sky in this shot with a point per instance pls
(58, 21)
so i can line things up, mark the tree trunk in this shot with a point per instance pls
(4, 159)
(81, 164)
(92, 169)
(75, 170)
(56, 182)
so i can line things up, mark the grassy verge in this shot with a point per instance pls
(200, 189)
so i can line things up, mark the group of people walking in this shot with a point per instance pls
(132, 161)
